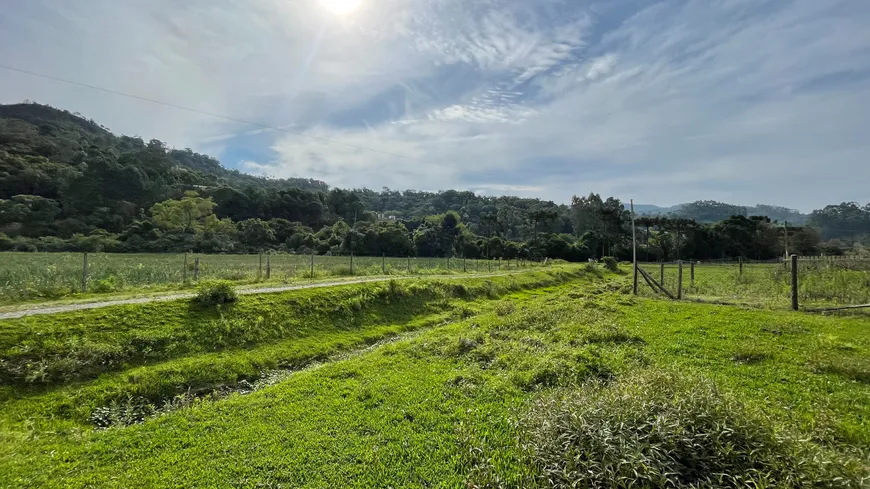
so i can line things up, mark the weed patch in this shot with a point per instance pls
(212, 294)
(658, 429)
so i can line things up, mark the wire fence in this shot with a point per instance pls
(822, 282)
(33, 276)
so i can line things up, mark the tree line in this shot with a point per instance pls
(68, 184)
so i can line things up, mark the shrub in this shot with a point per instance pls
(610, 263)
(108, 284)
(657, 429)
(505, 308)
(214, 293)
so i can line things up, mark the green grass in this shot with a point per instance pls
(456, 400)
(39, 277)
(767, 284)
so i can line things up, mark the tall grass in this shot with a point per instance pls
(768, 284)
(659, 429)
(40, 276)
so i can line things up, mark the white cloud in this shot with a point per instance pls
(600, 67)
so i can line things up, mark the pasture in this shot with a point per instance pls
(547, 378)
(821, 283)
(48, 276)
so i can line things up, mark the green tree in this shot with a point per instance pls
(255, 233)
(186, 215)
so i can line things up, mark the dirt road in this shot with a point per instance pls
(38, 310)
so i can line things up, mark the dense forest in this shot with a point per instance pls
(68, 183)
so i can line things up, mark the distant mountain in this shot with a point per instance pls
(653, 210)
(710, 211)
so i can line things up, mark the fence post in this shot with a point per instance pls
(196, 269)
(184, 273)
(448, 263)
(464, 265)
(312, 264)
(662, 272)
(490, 264)
(409, 264)
(692, 273)
(351, 262)
(85, 272)
(260, 269)
(679, 279)
(268, 267)
(384, 263)
(633, 250)
(794, 282)
(741, 264)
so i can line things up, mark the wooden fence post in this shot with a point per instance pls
(464, 265)
(409, 264)
(184, 273)
(196, 269)
(384, 263)
(448, 263)
(692, 273)
(662, 272)
(312, 264)
(741, 264)
(268, 267)
(633, 250)
(85, 272)
(260, 269)
(679, 279)
(351, 262)
(794, 282)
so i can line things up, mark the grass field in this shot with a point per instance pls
(544, 379)
(769, 284)
(29, 277)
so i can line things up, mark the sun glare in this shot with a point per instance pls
(341, 6)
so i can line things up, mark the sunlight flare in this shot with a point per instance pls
(341, 7)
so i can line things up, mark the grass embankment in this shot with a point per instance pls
(67, 365)
(36, 278)
(575, 383)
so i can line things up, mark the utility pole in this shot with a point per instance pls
(786, 240)
(633, 248)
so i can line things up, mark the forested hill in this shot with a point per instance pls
(39, 134)
(710, 211)
(68, 183)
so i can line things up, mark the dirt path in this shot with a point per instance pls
(39, 310)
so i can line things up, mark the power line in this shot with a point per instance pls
(240, 121)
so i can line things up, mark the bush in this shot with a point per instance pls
(108, 284)
(658, 429)
(214, 293)
(610, 263)
(505, 308)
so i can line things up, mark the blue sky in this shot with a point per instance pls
(744, 101)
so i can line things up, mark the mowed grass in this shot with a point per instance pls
(495, 390)
(38, 277)
(767, 284)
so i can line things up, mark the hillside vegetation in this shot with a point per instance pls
(68, 184)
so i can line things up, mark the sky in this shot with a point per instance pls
(663, 102)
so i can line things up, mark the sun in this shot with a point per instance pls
(340, 7)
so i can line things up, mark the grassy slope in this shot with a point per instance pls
(438, 409)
